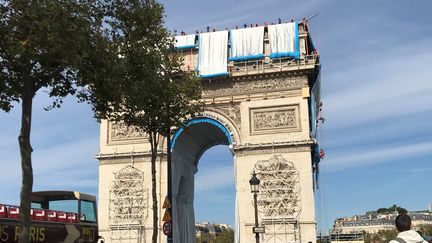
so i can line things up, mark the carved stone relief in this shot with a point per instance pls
(118, 131)
(274, 119)
(231, 110)
(247, 86)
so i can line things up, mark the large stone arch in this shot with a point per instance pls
(188, 144)
(262, 109)
(222, 131)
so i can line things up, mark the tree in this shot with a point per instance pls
(382, 236)
(144, 85)
(227, 236)
(42, 45)
(426, 229)
(114, 54)
(205, 237)
(392, 209)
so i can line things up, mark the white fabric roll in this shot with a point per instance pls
(283, 40)
(212, 54)
(185, 41)
(247, 43)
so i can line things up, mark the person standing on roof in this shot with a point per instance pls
(406, 234)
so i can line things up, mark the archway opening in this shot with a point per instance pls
(215, 193)
(188, 145)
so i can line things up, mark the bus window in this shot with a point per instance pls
(64, 205)
(88, 211)
(36, 205)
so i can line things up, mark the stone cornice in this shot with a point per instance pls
(104, 157)
(277, 147)
(254, 84)
(251, 97)
(303, 69)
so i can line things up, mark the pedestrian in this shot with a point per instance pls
(406, 234)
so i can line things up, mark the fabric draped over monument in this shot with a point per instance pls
(237, 223)
(247, 43)
(315, 103)
(183, 198)
(284, 40)
(188, 144)
(212, 54)
(185, 41)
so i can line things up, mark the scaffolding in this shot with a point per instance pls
(128, 202)
(347, 237)
(279, 199)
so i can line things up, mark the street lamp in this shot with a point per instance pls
(254, 184)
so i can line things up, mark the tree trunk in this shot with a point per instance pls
(154, 144)
(169, 175)
(26, 163)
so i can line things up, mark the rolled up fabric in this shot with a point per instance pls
(284, 40)
(247, 44)
(212, 54)
(185, 41)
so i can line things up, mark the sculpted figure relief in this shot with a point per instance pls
(275, 119)
(232, 111)
(119, 132)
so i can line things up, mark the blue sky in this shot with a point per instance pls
(376, 85)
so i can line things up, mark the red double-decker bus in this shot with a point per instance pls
(56, 216)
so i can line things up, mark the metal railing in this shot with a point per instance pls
(267, 65)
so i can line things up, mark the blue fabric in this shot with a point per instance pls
(199, 50)
(185, 47)
(295, 55)
(312, 106)
(297, 44)
(213, 75)
(230, 38)
(311, 42)
(316, 154)
(201, 120)
(244, 58)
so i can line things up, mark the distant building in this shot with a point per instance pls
(213, 229)
(372, 222)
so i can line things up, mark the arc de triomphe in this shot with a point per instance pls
(265, 111)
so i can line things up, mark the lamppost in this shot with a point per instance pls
(254, 184)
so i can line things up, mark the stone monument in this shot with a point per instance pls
(266, 111)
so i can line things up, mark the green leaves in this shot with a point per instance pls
(136, 76)
(43, 43)
(392, 209)
(114, 54)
